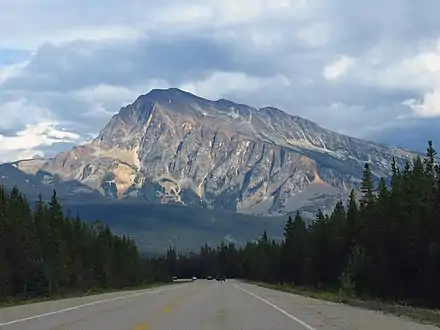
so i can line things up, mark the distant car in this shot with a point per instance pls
(221, 279)
(174, 278)
(193, 278)
(209, 278)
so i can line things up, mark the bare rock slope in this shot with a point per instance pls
(170, 146)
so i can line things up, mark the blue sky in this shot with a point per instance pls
(370, 69)
(11, 56)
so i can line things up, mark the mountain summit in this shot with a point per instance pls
(170, 146)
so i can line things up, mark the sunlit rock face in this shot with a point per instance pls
(170, 146)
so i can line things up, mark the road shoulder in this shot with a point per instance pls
(49, 307)
(420, 315)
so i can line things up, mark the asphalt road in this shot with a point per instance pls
(200, 305)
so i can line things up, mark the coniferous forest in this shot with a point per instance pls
(383, 244)
(44, 252)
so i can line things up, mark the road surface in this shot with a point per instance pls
(200, 305)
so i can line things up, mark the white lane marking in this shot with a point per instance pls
(304, 324)
(86, 305)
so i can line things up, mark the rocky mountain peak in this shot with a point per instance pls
(170, 146)
(164, 96)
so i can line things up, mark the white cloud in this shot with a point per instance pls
(227, 12)
(429, 106)
(9, 71)
(422, 71)
(27, 141)
(316, 34)
(95, 34)
(419, 73)
(338, 68)
(222, 84)
(105, 93)
(117, 94)
(62, 21)
(103, 100)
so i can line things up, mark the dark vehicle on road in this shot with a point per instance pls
(221, 278)
(209, 278)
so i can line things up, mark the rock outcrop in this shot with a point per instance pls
(170, 146)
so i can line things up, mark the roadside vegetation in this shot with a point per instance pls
(47, 254)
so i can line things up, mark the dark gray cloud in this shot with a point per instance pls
(83, 64)
(413, 134)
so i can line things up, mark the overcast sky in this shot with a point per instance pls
(370, 69)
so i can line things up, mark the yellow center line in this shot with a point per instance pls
(171, 303)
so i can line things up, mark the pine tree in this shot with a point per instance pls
(367, 187)
(5, 271)
(294, 250)
(431, 153)
(56, 252)
(352, 220)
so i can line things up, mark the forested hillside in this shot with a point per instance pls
(44, 252)
(385, 246)
(388, 246)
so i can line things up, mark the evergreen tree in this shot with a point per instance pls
(367, 186)
(294, 250)
(352, 221)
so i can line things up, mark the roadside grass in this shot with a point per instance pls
(421, 315)
(16, 301)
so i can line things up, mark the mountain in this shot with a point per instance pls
(172, 147)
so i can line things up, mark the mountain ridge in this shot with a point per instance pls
(170, 146)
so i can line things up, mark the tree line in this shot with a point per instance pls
(44, 251)
(384, 243)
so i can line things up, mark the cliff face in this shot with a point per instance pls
(170, 146)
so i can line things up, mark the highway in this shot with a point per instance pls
(199, 305)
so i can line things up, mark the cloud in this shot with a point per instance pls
(11, 70)
(356, 67)
(338, 68)
(429, 106)
(25, 143)
(233, 82)
(412, 132)
(12, 114)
